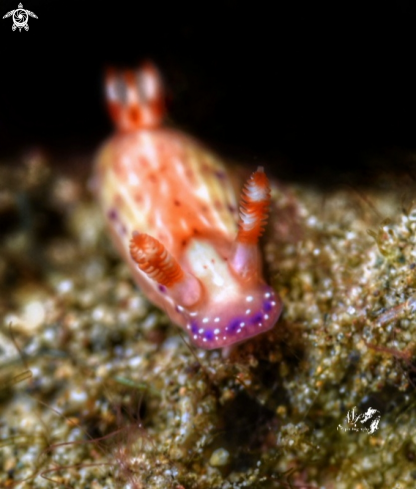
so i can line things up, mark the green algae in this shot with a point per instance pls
(118, 398)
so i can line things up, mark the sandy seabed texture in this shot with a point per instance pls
(99, 390)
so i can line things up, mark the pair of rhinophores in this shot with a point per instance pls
(173, 215)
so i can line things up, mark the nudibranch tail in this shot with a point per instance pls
(135, 98)
(158, 264)
(254, 208)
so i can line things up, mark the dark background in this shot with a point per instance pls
(311, 90)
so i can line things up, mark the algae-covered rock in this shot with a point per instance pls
(99, 389)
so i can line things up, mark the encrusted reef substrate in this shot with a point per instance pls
(99, 390)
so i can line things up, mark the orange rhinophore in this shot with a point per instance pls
(155, 260)
(254, 208)
(173, 214)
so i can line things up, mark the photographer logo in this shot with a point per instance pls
(367, 422)
(20, 18)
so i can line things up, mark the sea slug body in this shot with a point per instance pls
(172, 213)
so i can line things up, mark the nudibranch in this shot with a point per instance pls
(172, 212)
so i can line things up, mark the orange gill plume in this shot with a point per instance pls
(135, 98)
(158, 264)
(254, 208)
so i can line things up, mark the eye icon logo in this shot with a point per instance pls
(20, 17)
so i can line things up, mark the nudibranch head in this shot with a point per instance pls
(237, 303)
(172, 211)
(217, 305)
(216, 291)
(221, 323)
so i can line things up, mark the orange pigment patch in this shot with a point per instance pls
(176, 208)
